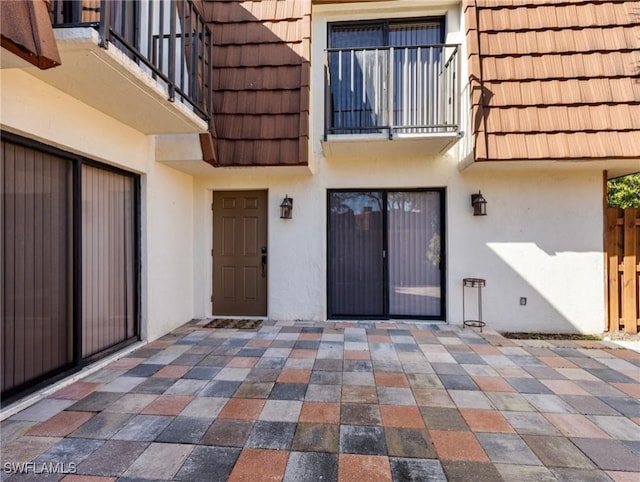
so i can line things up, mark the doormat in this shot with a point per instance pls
(233, 323)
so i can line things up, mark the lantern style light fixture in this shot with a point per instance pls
(286, 207)
(479, 204)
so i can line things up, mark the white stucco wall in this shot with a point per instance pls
(542, 238)
(169, 249)
(34, 109)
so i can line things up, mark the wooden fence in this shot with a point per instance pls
(623, 268)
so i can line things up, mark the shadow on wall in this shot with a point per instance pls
(560, 297)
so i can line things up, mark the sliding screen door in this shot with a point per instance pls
(385, 254)
(108, 276)
(68, 262)
(414, 253)
(356, 239)
(36, 288)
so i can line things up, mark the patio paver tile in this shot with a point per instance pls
(443, 418)
(531, 423)
(401, 416)
(320, 412)
(204, 407)
(143, 428)
(589, 405)
(130, 402)
(349, 401)
(463, 471)
(363, 378)
(103, 426)
(26, 448)
(620, 428)
(69, 451)
(323, 393)
(525, 473)
(608, 454)
(167, 405)
(76, 391)
(172, 371)
(271, 435)
(112, 458)
(316, 437)
(362, 439)
(411, 469)
(433, 398)
(409, 442)
(43, 410)
(493, 384)
(395, 396)
(452, 445)
(154, 386)
(186, 386)
(356, 468)
(311, 466)
(575, 425)
(288, 391)
(272, 465)
(486, 421)
(61, 424)
(208, 463)
(254, 390)
(184, 430)
(228, 432)
(557, 452)
(242, 409)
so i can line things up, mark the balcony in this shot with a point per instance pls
(391, 100)
(146, 64)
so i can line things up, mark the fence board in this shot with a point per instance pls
(623, 266)
(613, 274)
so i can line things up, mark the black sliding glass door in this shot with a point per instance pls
(385, 256)
(356, 244)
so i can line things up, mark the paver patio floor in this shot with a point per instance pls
(347, 401)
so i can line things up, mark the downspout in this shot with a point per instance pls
(481, 85)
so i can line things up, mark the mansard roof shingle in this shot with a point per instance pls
(261, 80)
(554, 79)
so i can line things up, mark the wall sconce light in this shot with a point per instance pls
(479, 204)
(286, 208)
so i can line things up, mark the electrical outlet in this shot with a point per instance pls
(523, 301)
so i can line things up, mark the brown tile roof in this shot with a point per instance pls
(554, 79)
(260, 80)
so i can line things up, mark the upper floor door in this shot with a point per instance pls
(385, 75)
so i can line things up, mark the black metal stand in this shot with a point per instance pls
(477, 283)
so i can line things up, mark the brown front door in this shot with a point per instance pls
(240, 253)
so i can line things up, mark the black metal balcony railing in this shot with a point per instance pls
(168, 38)
(392, 90)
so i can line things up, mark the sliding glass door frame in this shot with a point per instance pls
(384, 256)
(75, 271)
